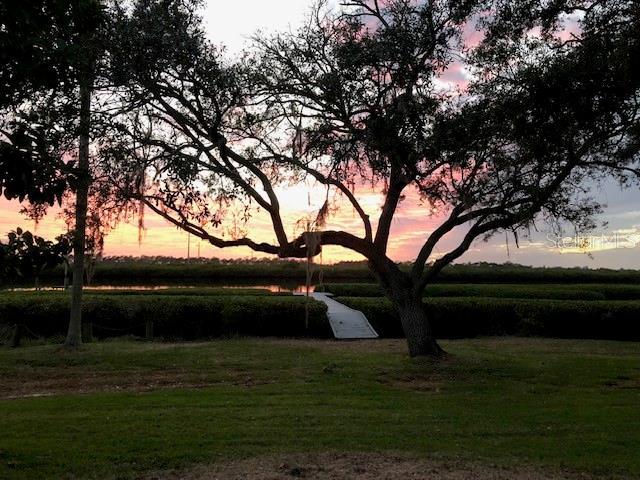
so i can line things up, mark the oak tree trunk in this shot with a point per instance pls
(407, 301)
(417, 328)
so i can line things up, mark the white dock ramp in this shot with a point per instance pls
(345, 322)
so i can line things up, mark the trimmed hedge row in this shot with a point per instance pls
(185, 317)
(473, 316)
(535, 291)
(194, 317)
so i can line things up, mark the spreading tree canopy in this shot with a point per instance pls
(359, 95)
(41, 55)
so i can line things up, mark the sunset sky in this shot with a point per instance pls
(231, 23)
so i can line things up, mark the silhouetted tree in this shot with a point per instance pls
(50, 52)
(38, 54)
(359, 96)
(26, 255)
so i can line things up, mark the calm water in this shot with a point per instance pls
(271, 287)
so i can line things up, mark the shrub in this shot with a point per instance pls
(186, 317)
(534, 291)
(473, 316)
(618, 291)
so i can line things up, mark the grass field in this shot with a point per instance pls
(120, 409)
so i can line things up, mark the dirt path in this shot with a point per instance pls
(334, 466)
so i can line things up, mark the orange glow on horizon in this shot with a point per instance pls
(299, 202)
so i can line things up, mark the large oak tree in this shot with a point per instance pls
(358, 95)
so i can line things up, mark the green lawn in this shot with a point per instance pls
(118, 409)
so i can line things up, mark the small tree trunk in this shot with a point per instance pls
(74, 334)
(417, 329)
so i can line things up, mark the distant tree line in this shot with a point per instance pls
(26, 256)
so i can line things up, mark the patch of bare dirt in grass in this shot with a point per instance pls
(71, 381)
(417, 382)
(623, 382)
(361, 466)
(332, 345)
(426, 374)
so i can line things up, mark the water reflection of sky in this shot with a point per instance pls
(273, 288)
